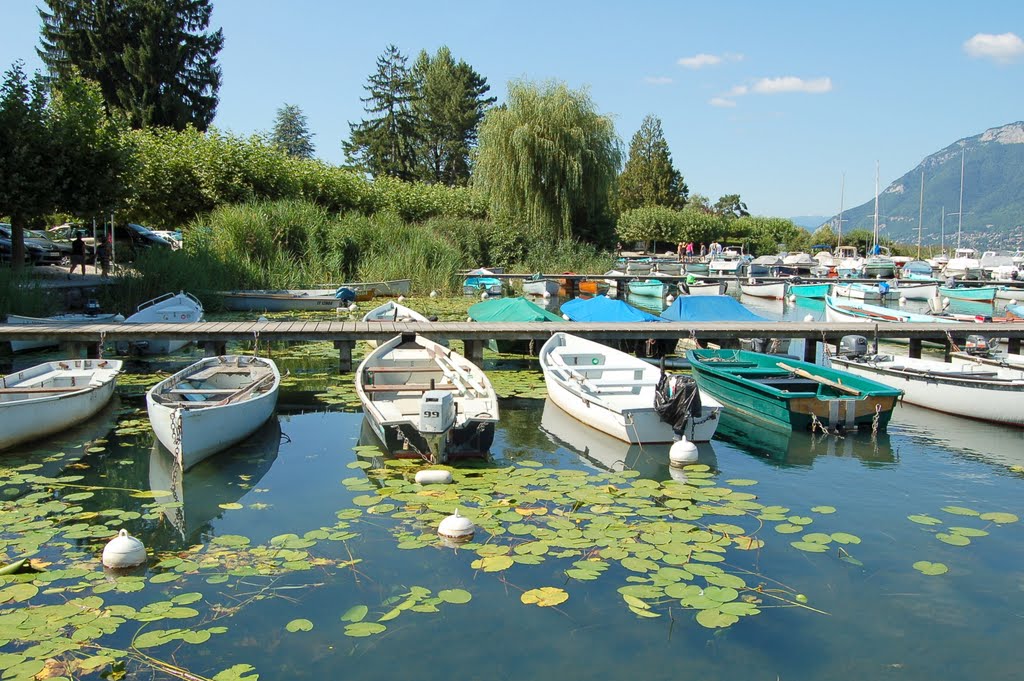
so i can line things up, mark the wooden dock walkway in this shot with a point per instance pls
(79, 339)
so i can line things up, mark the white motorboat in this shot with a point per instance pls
(965, 264)
(382, 289)
(730, 262)
(56, 320)
(706, 288)
(614, 392)
(170, 308)
(424, 400)
(212, 404)
(771, 289)
(970, 390)
(51, 397)
(284, 300)
(913, 290)
(862, 291)
(539, 286)
(392, 311)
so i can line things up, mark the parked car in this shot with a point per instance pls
(38, 247)
(174, 238)
(64, 234)
(130, 239)
(5, 250)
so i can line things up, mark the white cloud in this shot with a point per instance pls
(738, 90)
(773, 86)
(721, 102)
(699, 61)
(1002, 48)
(657, 80)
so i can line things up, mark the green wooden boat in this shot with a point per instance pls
(787, 394)
(650, 287)
(983, 294)
(816, 291)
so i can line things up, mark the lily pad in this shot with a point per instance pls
(929, 568)
(959, 510)
(364, 629)
(299, 625)
(545, 596)
(999, 517)
(355, 614)
(922, 519)
(456, 596)
(953, 539)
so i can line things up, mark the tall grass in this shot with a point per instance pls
(21, 294)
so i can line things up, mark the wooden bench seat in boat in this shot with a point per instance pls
(402, 370)
(408, 387)
(203, 391)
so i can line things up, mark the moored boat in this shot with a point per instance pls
(382, 289)
(980, 294)
(856, 291)
(916, 290)
(814, 291)
(539, 286)
(212, 404)
(852, 311)
(965, 389)
(51, 397)
(392, 311)
(788, 394)
(423, 400)
(706, 288)
(56, 320)
(170, 308)
(614, 392)
(653, 288)
(480, 281)
(775, 290)
(284, 300)
(512, 310)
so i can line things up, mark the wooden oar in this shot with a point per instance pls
(69, 389)
(819, 379)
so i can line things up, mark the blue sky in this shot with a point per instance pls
(774, 101)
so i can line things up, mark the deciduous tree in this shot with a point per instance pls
(649, 178)
(291, 132)
(547, 158)
(730, 206)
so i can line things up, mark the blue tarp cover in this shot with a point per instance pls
(604, 309)
(709, 309)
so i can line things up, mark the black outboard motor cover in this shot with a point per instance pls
(676, 400)
(978, 345)
(853, 346)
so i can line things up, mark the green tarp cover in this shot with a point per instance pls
(511, 310)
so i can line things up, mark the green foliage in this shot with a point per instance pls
(291, 132)
(449, 105)
(548, 158)
(730, 206)
(649, 223)
(824, 235)
(153, 60)
(385, 144)
(770, 235)
(649, 177)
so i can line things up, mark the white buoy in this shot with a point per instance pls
(903, 300)
(123, 551)
(566, 317)
(401, 299)
(353, 307)
(945, 301)
(262, 319)
(669, 298)
(1012, 302)
(792, 298)
(809, 318)
(456, 527)
(483, 296)
(682, 453)
(433, 294)
(469, 319)
(546, 294)
(433, 476)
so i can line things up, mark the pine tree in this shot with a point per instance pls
(450, 104)
(649, 178)
(386, 144)
(291, 132)
(153, 59)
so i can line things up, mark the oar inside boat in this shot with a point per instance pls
(819, 379)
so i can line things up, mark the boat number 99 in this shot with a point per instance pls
(432, 414)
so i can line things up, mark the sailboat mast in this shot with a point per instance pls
(960, 215)
(920, 217)
(943, 237)
(875, 234)
(842, 194)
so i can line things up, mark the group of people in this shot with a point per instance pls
(687, 250)
(78, 255)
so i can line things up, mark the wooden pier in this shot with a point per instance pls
(86, 339)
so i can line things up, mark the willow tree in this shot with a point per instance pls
(548, 159)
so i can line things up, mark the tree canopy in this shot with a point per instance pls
(449, 106)
(153, 59)
(291, 132)
(649, 178)
(385, 144)
(731, 206)
(548, 158)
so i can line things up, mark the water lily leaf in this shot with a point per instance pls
(845, 538)
(929, 568)
(788, 528)
(818, 538)
(741, 482)
(999, 517)
(18, 593)
(721, 594)
(968, 531)
(363, 629)
(953, 539)
(745, 543)
(156, 637)
(809, 547)
(959, 510)
(231, 506)
(739, 609)
(922, 519)
(238, 672)
(641, 612)
(640, 591)
(455, 596)
(355, 614)
(493, 563)
(715, 619)
(800, 520)
(726, 580)
(299, 625)
(545, 596)
(824, 510)
(639, 564)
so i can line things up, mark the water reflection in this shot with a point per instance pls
(197, 494)
(989, 442)
(605, 452)
(800, 448)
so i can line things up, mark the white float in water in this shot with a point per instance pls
(262, 319)
(669, 298)
(353, 307)
(433, 476)
(682, 453)
(483, 296)
(456, 527)
(566, 318)
(123, 551)
(792, 298)
(945, 301)
(903, 300)
(1012, 302)
(677, 474)
(401, 299)
(547, 294)
(809, 318)
(433, 294)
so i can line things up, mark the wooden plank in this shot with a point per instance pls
(408, 387)
(819, 379)
(71, 389)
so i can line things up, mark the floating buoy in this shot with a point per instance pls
(262, 319)
(669, 298)
(433, 294)
(456, 527)
(433, 476)
(809, 318)
(682, 453)
(547, 294)
(792, 298)
(353, 307)
(123, 551)
(903, 300)
(483, 296)
(401, 299)
(945, 301)
(566, 317)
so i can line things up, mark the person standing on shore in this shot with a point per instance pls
(103, 256)
(77, 255)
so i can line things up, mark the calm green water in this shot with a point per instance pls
(874, 615)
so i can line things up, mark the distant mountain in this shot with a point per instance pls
(993, 195)
(811, 222)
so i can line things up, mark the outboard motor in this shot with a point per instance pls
(437, 411)
(853, 347)
(979, 345)
(92, 307)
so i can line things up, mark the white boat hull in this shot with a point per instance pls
(538, 287)
(193, 432)
(917, 291)
(775, 290)
(999, 402)
(171, 308)
(1004, 293)
(382, 289)
(31, 416)
(56, 320)
(856, 292)
(281, 301)
(715, 289)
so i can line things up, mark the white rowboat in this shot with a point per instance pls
(170, 308)
(51, 397)
(56, 320)
(775, 290)
(212, 404)
(392, 312)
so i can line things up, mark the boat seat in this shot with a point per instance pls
(760, 371)
(402, 370)
(203, 391)
(602, 367)
(597, 387)
(408, 387)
